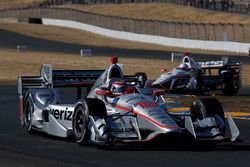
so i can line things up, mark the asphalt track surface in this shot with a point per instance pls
(11, 40)
(18, 148)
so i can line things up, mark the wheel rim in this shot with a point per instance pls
(28, 115)
(79, 123)
(198, 111)
(236, 81)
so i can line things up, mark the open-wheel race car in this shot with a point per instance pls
(199, 77)
(115, 109)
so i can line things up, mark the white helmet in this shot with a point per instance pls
(183, 66)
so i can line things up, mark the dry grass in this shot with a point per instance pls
(75, 36)
(163, 12)
(14, 64)
(12, 4)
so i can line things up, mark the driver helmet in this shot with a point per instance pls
(183, 66)
(118, 88)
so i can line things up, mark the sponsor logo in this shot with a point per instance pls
(62, 114)
(214, 81)
(43, 95)
(211, 63)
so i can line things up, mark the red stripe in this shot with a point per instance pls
(124, 108)
(146, 117)
(142, 104)
(21, 107)
(118, 83)
(156, 123)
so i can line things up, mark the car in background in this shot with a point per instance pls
(199, 77)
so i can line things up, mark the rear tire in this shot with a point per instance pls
(232, 84)
(89, 106)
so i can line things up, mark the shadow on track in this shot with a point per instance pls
(193, 148)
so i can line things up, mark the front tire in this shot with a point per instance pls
(88, 106)
(28, 115)
(79, 124)
(208, 107)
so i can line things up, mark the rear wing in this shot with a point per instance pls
(58, 78)
(66, 78)
(225, 63)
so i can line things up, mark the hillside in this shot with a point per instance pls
(163, 12)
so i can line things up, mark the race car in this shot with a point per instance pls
(115, 110)
(199, 77)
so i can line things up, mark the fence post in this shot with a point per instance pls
(205, 31)
(181, 28)
(214, 32)
(167, 27)
(175, 23)
(243, 32)
(189, 30)
(198, 33)
(233, 27)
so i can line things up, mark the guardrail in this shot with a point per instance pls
(152, 39)
(232, 6)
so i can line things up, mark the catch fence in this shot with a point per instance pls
(186, 30)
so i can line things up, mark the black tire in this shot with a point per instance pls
(28, 114)
(231, 84)
(89, 106)
(199, 79)
(79, 124)
(142, 78)
(208, 107)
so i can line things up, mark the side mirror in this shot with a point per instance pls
(159, 92)
(102, 92)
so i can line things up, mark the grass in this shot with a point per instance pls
(216, 22)
(163, 12)
(14, 64)
(9, 4)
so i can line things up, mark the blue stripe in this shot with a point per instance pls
(247, 116)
